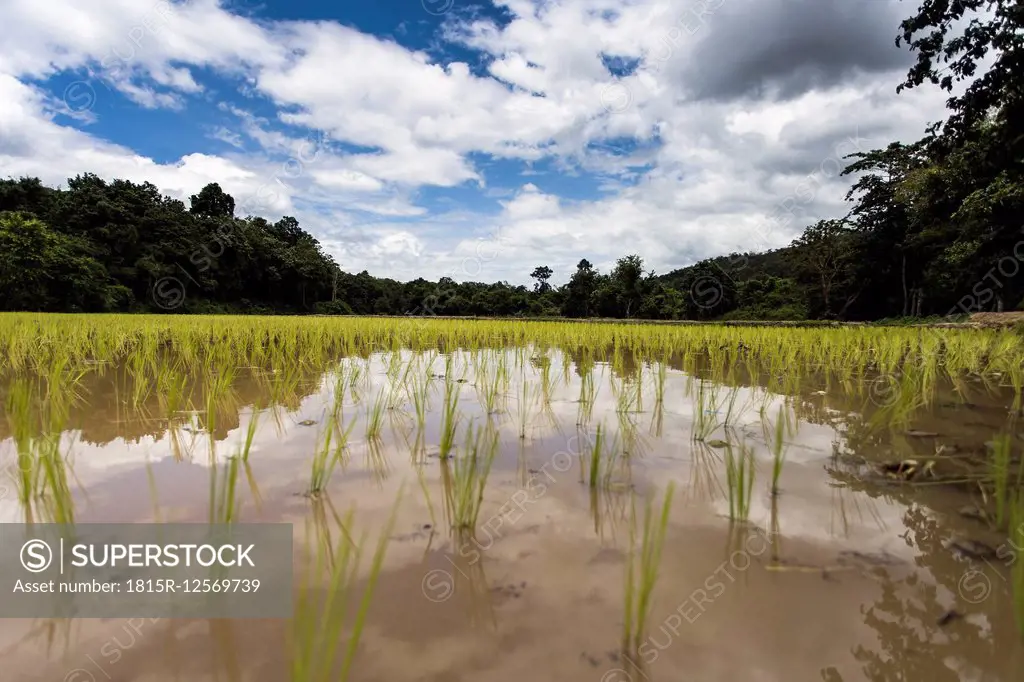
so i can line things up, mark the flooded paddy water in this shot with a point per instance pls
(566, 501)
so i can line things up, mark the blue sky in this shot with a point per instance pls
(476, 141)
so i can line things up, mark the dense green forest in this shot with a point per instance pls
(934, 228)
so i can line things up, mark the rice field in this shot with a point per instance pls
(470, 497)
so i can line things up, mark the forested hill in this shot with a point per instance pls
(119, 246)
(934, 227)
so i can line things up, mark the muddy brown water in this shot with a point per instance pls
(844, 575)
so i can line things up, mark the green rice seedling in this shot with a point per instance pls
(62, 383)
(342, 382)
(19, 418)
(642, 572)
(588, 395)
(429, 360)
(174, 393)
(420, 389)
(480, 362)
(732, 413)
(503, 374)
(904, 398)
(625, 395)
(705, 419)
(254, 488)
(449, 419)
(468, 478)
(326, 458)
(418, 447)
(53, 488)
(276, 382)
(358, 377)
(250, 435)
(527, 399)
(739, 479)
(138, 365)
(366, 369)
(210, 423)
(546, 392)
(657, 420)
(660, 378)
(219, 381)
(614, 456)
(400, 389)
(596, 451)
(1016, 372)
(546, 379)
(394, 367)
(320, 617)
(638, 389)
(598, 458)
(421, 478)
(566, 366)
(463, 372)
(630, 396)
(224, 505)
(999, 470)
(658, 417)
(375, 416)
(243, 457)
(490, 391)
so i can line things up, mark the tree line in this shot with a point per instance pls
(934, 227)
